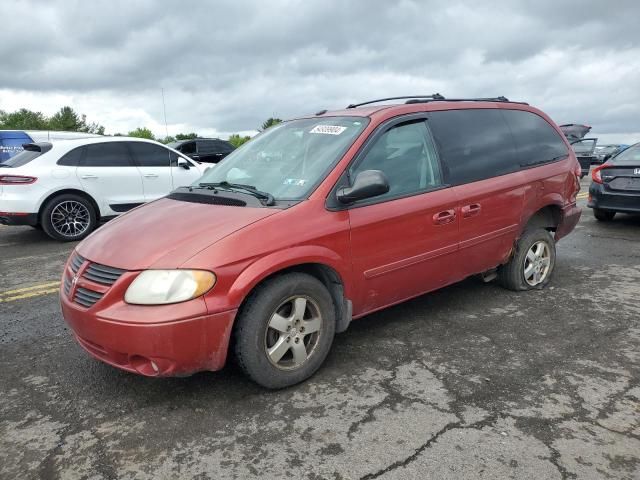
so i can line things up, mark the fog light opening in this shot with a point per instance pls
(144, 365)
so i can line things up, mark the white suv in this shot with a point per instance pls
(68, 187)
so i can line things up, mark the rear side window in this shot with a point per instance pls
(112, 154)
(207, 147)
(21, 158)
(222, 146)
(73, 158)
(473, 144)
(149, 155)
(187, 148)
(407, 157)
(537, 141)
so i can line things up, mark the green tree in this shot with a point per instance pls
(67, 119)
(237, 140)
(23, 119)
(270, 123)
(141, 132)
(186, 136)
(166, 140)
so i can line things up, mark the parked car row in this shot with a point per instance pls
(587, 150)
(318, 221)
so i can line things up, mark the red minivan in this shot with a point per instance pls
(318, 221)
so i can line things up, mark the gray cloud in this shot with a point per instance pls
(226, 66)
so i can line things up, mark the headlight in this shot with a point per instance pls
(160, 287)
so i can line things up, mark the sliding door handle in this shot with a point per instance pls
(445, 217)
(471, 210)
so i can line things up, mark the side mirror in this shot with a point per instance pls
(183, 163)
(367, 184)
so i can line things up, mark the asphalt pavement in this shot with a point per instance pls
(472, 381)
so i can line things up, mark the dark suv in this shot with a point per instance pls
(206, 150)
(318, 221)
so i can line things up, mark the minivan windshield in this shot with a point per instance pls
(290, 159)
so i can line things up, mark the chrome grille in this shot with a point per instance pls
(102, 274)
(67, 285)
(76, 262)
(86, 298)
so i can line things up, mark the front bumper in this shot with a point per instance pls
(618, 201)
(164, 340)
(177, 348)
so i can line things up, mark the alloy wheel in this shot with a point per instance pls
(293, 332)
(70, 218)
(537, 263)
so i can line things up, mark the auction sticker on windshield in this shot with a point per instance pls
(328, 129)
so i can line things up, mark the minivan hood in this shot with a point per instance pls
(165, 233)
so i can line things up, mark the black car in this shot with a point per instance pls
(206, 150)
(616, 185)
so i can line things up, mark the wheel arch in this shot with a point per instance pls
(325, 268)
(64, 191)
(547, 217)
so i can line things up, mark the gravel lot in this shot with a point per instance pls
(468, 382)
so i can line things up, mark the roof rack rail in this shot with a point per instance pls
(435, 96)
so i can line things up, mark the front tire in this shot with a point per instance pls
(285, 330)
(68, 217)
(532, 263)
(603, 215)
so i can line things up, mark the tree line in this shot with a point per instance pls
(68, 120)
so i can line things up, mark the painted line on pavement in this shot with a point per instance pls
(29, 292)
(582, 195)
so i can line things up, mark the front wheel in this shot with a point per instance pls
(532, 263)
(68, 217)
(603, 215)
(285, 330)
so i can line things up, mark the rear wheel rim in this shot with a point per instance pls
(537, 263)
(70, 218)
(293, 332)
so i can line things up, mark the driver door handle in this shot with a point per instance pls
(89, 177)
(150, 175)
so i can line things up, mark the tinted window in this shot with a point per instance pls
(222, 146)
(536, 140)
(112, 154)
(206, 147)
(629, 156)
(21, 159)
(407, 157)
(72, 159)
(187, 148)
(149, 155)
(473, 144)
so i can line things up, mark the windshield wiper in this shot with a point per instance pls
(250, 189)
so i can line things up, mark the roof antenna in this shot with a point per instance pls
(164, 109)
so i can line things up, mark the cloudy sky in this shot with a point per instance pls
(227, 66)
